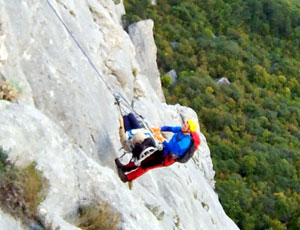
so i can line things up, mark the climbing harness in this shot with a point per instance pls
(144, 154)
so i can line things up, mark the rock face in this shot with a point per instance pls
(173, 76)
(66, 121)
(222, 81)
(141, 34)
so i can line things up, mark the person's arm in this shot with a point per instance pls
(123, 137)
(173, 129)
(177, 147)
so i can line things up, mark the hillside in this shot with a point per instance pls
(251, 124)
(60, 64)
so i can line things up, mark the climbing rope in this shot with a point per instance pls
(79, 45)
(117, 96)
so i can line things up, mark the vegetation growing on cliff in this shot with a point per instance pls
(21, 191)
(252, 124)
(7, 92)
(97, 216)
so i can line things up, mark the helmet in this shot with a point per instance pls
(192, 124)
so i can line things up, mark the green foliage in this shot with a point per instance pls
(21, 191)
(166, 80)
(252, 125)
(3, 159)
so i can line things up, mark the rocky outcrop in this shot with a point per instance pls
(172, 73)
(223, 81)
(65, 119)
(141, 34)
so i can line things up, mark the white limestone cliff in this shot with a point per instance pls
(65, 119)
(146, 53)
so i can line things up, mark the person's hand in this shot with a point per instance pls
(158, 137)
(155, 129)
(173, 156)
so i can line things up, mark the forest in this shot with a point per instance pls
(252, 122)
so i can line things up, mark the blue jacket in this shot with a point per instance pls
(179, 143)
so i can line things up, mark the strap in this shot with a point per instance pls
(144, 154)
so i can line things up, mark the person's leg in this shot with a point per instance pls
(127, 124)
(123, 137)
(140, 171)
(135, 174)
(129, 167)
(134, 124)
(122, 169)
(154, 161)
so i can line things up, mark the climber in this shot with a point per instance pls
(180, 148)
